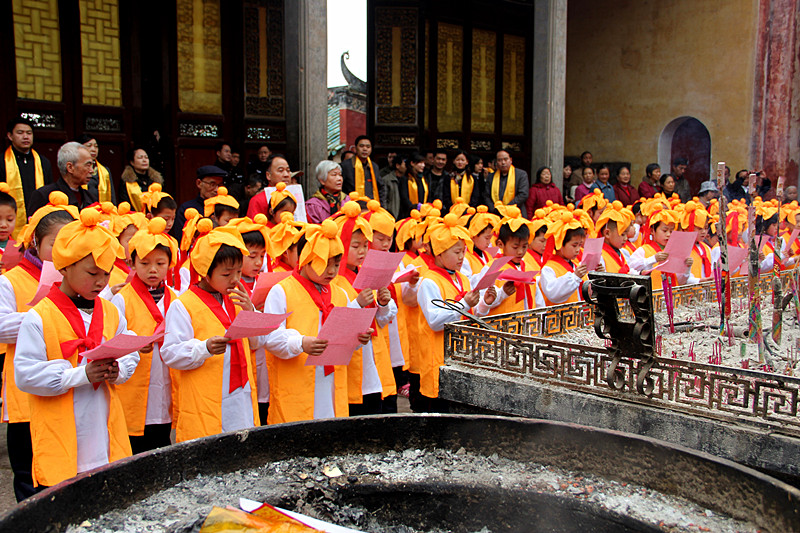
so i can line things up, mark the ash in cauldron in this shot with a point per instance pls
(407, 473)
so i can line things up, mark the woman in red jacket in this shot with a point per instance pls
(623, 190)
(542, 190)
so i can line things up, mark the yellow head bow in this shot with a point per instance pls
(380, 219)
(58, 202)
(189, 229)
(153, 196)
(557, 229)
(693, 215)
(617, 213)
(443, 235)
(322, 243)
(459, 207)
(145, 240)
(594, 199)
(514, 219)
(125, 217)
(246, 225)
(222, 198)
(280, 194)
(210, 241)
(789, 212)
(406, 229)
(86, 237)
(349, 222)
(766, 210)
(283, 235)
(107, 211)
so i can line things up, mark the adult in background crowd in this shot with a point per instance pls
(137, 177)
(100, 181)
(668, 184)
(76, 166)
(209, 179)
(570, 178)
(361, 174)
(478, 193)
(789, 194)
(602, 183)
(623, 190)
(23, 168)
(460, 183)
(764, 186)
(234, 181)
(414, 188)
(708, 192)
(437, 176)
(735, 189)
(509, 184)
(259, 166)
(277, 170)
(252, 187)
(329, 198)
(391, 202)
(650, 184)
(587, 173)
(586, 159)
(543, 189)
(682, 187)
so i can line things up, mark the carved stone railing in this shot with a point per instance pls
(520, 347)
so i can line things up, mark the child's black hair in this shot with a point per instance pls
(523, 233)
(161, 247)
(167, 202)
(254, 238)
(611, 224)
(221, 209)
(226, 255)
(49, 221)
(283, 203)
(7, 199)
(763, 225)
(541, 231)
(571, 233)
(637, 208)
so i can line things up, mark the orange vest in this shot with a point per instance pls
(614, 262)
(698, 270)
(200, 389)
(413, 320)
(17, 403)
(655, 276)
(475, 262)
(432, 356)
(291, 383)
(561, 270)
(380, 350)
(134, 393)
(55, 444)
(117, 276)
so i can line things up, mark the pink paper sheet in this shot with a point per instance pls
(119, 346)
(679, 247)
(402, 276)
(592, 252)
(377, 270)
(736, 257)
(252, 324)
(341, 330)
(11, 255)
(264, 284)
(49, 276)
(492, 251)
(492, 273)
(518, 276)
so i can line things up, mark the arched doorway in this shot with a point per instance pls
(686, 137)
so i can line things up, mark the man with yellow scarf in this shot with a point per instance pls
(23, 168)
(361, 174)
(508, 184)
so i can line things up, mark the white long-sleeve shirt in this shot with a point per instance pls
(182, 351)
(35, 374)
(557, 289)
(436, 316)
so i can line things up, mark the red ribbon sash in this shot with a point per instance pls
(239, 376)
(144, 295)
(30, 268)
(616, 255)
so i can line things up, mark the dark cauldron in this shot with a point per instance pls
(713, 483)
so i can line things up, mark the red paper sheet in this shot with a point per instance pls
(402, 276)
(119, 346)
(130, 276)
(264, 284)
(341, 330)
(792, 238)
(679, 247)
(252, 324)
(377, 270)
(491, 251)
(517, 276)
(592, 252)
(49, 276)
(492, 273)
(11, 256)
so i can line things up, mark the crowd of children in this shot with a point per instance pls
(123, 273)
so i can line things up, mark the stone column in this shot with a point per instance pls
(549, 85)
(306, 44)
